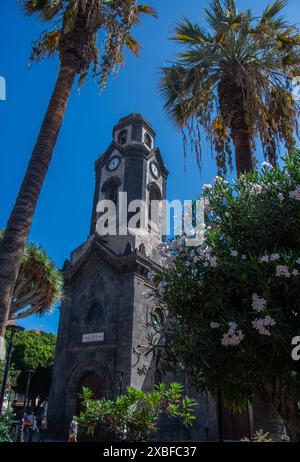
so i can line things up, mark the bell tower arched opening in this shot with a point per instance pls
(154, 207)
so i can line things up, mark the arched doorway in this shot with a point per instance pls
(92, 381)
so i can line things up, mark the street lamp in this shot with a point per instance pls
(13, 328)
(29, 372)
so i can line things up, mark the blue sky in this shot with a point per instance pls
(62, 217)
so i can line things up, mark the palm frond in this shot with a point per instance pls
(271, 16)
(273, 9)
(132, 44)
(45, 9)
(74, 27)
(231, 74)
(193, 34)
(146, 9)
(39, 286)
(34, 6)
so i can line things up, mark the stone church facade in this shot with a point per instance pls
(105, 308)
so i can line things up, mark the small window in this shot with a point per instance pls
(122, 138)
(95, 313)
(148, 140)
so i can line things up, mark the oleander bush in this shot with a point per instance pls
(232, 304)
(134, 415)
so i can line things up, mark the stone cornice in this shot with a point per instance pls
(135, 262)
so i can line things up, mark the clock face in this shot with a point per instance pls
(114, 163)
(154, 169)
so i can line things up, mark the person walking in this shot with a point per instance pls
(35, 428)
(43, 429)
(25, 426)
(73, 431)
(31, 419)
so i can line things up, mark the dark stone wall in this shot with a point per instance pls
(95, 282)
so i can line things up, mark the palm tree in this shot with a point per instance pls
(235, 80)
(72, 30)
(39, 285)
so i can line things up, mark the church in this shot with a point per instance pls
(106, 307)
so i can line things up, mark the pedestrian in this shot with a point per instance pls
(21, 430)
(43, 429)
(35, 428)
(26, 423)
(73, 430)
(31, 419)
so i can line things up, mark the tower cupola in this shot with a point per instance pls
(134, 129)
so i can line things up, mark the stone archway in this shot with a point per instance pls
(75, 382)
(92, 381)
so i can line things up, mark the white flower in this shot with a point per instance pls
(214, 325)
(218, 178)
(295, 194)
(274, 257)
(213, 262)
(260, 325)
(295, 272)
(264, 259)
(255, 189)
(234, 253)
(244, 257)
(233, 337)
(205, 254)
(164, 249)
(298, 261)
(258, 303)
(282, 271)
(280, 197)
(266, 165)
(207, 187)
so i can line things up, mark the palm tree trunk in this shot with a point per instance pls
(19, 224)
(243, 154)
(231, 102)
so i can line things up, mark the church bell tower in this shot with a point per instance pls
(106, 307)
(132, 169)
